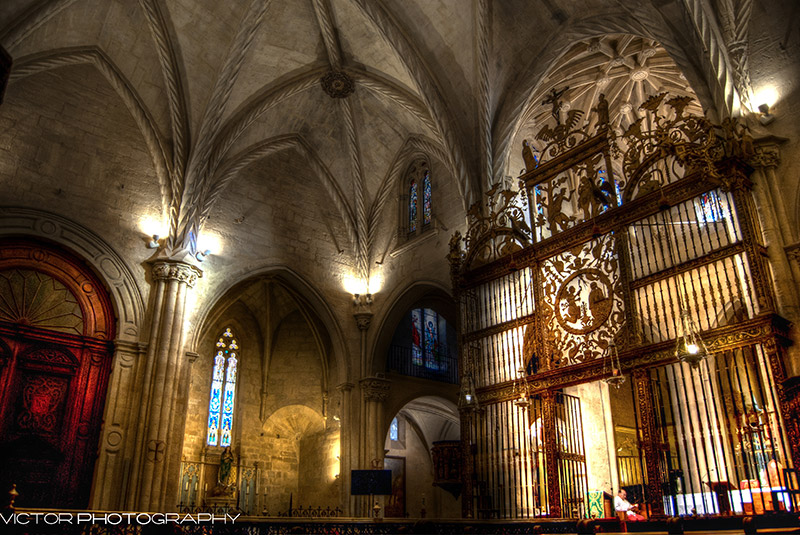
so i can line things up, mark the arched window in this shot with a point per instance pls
(419, 200)
(223, 390)
(412, 207)
(426, 199)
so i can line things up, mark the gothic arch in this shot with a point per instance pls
(304, 292)
(422, 293)
(123, 289)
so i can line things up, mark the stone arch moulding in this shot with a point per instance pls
(303, 289)
(422, 292)
(125, 295)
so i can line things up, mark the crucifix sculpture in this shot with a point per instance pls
(553, 98)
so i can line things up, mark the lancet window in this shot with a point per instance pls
(419, 198)
(223, 390)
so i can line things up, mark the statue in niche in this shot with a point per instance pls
(225, 476)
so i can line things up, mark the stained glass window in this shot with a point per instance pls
(416, 336)
(431, 339)
(710, 208)
(425, 348)
(412, 207)
(223, 391)
(426, 199)
(393, 430)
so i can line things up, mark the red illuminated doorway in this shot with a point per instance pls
(56, 323)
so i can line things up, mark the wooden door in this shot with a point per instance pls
(55, 359)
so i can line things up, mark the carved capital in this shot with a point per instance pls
(793, 252)
(375, 388)
(767, 152)
(345, 387)
(176, 271)
(766, 156)
(363, 320)
(337, 84)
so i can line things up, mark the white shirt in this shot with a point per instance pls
(621, 505)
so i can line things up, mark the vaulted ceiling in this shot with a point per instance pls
(344, 90)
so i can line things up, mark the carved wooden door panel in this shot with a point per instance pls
(55, 360)
(50, 415)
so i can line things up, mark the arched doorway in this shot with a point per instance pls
(56, 323)
(283, 418)
(420, 427)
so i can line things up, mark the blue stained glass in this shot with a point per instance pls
(426, 199)
(537, 190)
(416, 337)
(431, 339)
(213, 412)
(412, 207)
(393, 430)
(711, 207)
(223, 389)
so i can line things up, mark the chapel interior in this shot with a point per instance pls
(366, 259)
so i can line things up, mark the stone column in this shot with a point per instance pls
(159, 377)
(374, 391)
(345, 445)
(773, 220)
(363, 317)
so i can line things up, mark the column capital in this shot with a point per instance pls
(345, 387)
(375, 388)
(767, 152)
(363, 320)
(179, 271)
(793, 252)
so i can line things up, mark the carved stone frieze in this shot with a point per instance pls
(337, 84)
(375, 388)
(176, 271)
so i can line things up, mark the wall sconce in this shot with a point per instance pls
(201, 255)
(153, 244)
(766, 117)
(362, 299)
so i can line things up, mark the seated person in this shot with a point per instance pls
(624, 506)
